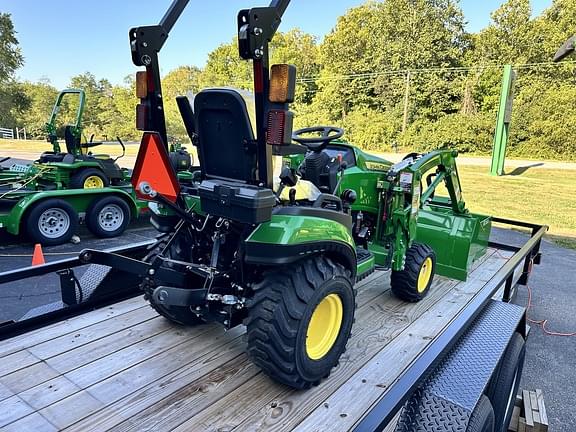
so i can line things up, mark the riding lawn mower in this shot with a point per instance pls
(283, 257)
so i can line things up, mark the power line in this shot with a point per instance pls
(403, 72)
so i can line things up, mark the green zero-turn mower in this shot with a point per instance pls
(46, 199)
(76, 167)
(284, 259)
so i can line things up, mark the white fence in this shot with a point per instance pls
(6, 133)
(9, 133)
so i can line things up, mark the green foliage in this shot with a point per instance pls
(385, 64)
(465, 133)
(371, 129)
(42, 96)
(10, 55)
(13, 98)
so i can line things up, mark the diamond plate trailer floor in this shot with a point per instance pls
(124, 368)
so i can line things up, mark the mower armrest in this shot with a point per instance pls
(91, 144)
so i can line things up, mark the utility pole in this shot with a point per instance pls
(406, 100)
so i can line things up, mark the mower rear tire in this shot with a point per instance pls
(51, 222)
(108, 217)
(89, 178)
(413, 283)
(177, 314)
(299, 321)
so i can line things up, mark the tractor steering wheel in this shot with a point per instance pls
(317, 143)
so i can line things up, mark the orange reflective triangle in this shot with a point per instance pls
(153, 167)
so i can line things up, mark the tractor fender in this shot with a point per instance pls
(80, 199)
(292, 235)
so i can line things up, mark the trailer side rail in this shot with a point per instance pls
(383, 411)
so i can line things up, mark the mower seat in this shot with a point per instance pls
(72, 142)
(226, 147)
(47, 157)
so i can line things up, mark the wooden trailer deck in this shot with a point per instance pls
(124, 368)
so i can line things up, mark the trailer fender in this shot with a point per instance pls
(454, 390)
(295, 234)
(79, 199)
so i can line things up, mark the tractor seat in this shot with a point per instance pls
(226, 146)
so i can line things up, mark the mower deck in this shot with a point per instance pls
(124, 367)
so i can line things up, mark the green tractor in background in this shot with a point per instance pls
(283, 259)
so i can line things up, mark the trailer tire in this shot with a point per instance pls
(299, 321)
(482, 418)
(51, 222)
(177, 314)
(89, 178)
(504, 384)
(108, 216)
(413, 283)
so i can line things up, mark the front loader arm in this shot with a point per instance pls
(403, 197)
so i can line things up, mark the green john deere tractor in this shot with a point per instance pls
(284, 259)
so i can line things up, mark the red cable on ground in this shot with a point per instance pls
(542, 323)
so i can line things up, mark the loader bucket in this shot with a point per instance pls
(457, 239)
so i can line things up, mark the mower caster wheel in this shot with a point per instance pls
(108, 217)
(89, 178)
(299, 321)
(51, 222)
(413, 283)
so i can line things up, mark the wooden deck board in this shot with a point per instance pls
(124, 369)
(70, 325)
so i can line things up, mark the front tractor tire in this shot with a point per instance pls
(299, 321)
(413, 283)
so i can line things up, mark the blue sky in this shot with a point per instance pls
(63, 38)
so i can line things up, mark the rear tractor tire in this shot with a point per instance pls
(299, 321)
(413, 283)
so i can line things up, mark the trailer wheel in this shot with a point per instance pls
(177, 314)
(299, 321)
(89, 178)
(51, 222)
(505, 382)
(108, 217)
(413, 283)
(482, 418)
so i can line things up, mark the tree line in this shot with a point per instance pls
(393, 73)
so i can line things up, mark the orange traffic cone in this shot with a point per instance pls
(38, 257)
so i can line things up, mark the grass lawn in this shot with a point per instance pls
(538, 195)
(36, 147)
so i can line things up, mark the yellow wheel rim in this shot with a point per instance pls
(93, 182)
(324, 326)
(425, 275)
